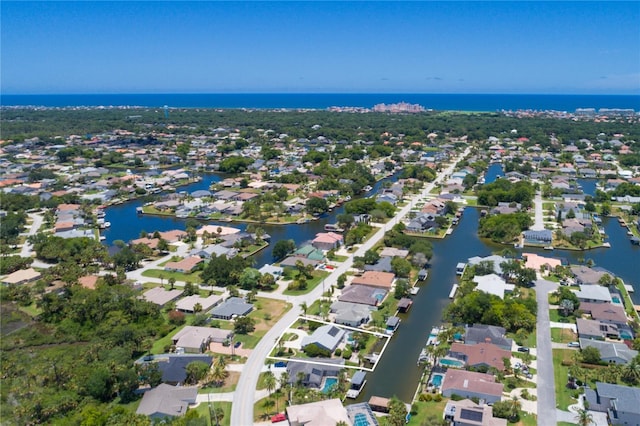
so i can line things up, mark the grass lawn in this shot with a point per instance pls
(554, 315)
(338, 258)
(32, 310)
(427, 409)
(267, 313)
(267, 407)
(527, 419)
(179, 276)
(564, 396)
(318, 276)
(229, 385)
(203, 410)
(159, 345)
(563, 335)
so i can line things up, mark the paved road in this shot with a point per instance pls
(539, 216)
(244, 399)
(36, 223)
(546, 386)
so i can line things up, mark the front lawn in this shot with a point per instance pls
(427, 410)
(564, 396)
(318, 277)
(203, 411)
(229, 384)
(563, 335)
(193, 277)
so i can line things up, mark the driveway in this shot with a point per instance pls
(539, 216)
(546, 386)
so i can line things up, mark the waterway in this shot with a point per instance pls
(494, 171)
(397, 373)
(126, 224)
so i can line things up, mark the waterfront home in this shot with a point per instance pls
(327, 412)
(596, 330)
(394, 252)
(480, 355)
(618, 401)
(537, 262)
(364, 295)
(422, 223)
(468, 413)
(188, 304)
(605, 312)
(382, 265)
(230, 308)
(469, 384)
(152, 243)
(494, 259)
(593, 294)
(327, 241)
(351, 314)
(292, 260)
(326, 337)
(611, 352)
(586, 275)
(362, 411)
(185, 266)
(160, 296)
(479, 333)
(543, 236)
(22, 276)
(214, 250)
(314, 372)
(173, 236)
(273, 270)
(174, 366)
(197, 339)
(167, 401)
(375, 279)
(493, 284)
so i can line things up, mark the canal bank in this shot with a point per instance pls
(397, 373)
(126, 223)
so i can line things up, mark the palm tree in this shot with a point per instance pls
(631, 371)
(304, 307)
(269, 381)
(514, 407)
(221, 362)
(584, 417)
(218, 375)
(172, 282)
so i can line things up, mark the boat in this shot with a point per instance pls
(433, 336)
(333, 227)
(367, 188)
(414, 290)
(357, 384)
(453, 291)
(139, 210)
(548, 248)
(102, 238)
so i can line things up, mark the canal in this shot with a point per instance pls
(126, 224)
(397, 372)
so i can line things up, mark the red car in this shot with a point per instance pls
(280, 417)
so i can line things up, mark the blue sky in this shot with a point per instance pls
(356, 47)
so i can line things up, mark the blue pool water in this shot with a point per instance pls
(615, 299)
(626, 335)
(436, 380)
(329, 382)
(451, 362)
(360, 420)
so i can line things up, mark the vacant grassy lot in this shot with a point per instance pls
(563, 335)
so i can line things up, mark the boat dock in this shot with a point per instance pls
(453, 291)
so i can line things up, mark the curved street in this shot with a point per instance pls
(244, 396)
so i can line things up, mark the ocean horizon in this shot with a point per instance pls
(439, 101)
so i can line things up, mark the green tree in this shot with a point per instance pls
(583, 417)
(244, 325)
(282, 248)
(196, 371)
(591, 355)
(397, 412)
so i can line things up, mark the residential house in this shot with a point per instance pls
(160, 296)
(468, 413)
(375, 279)
(586, 275)
(611, 352)
(493, 284)
(543, 236)
(351, 314)
(596, 330)
(479, 333)
(174, 366)
(593, 294)
(494, 259)
(480, 355)
(313, 373)
(167, 401)
(184, 266)
(382, 265)
(22, 276)
(188, 304)
(536, 262)
(275, 271)
(322, 413)
(326, 337)
(469, 384)
(197, 339)
(364, 295)
(605, 312)
(327, 241)
(618, 401)
(231, 308)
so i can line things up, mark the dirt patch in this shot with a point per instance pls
(219, 348)
(274, 308)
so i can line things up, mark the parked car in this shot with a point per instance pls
(523, 349)
(573, 344)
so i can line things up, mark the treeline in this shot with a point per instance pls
(504, 228)
(502, 190)
(18, 124)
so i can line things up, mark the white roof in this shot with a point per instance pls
(23, 275)
(492, 284)
(594, 292)
(320, 413)
(187, 303)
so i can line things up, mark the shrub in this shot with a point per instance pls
(176, 317)
(437, 398)
(338, 352)
(346, 354)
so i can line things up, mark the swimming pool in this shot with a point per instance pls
(625, 335)
(329, 383)
(615, 299)
(436, 380)
(451, 362)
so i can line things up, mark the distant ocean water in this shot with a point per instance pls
(460, 102)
